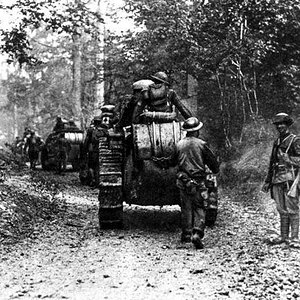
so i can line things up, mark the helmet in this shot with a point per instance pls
(108, 108)
(142, 84)
(192, 124)
(161, 77)
(283, 118)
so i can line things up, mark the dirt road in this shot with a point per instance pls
(58, 252)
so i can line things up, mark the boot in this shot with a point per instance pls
(186, 236)
(284, 231)
(198, 234)
(284, 227)
(295, 243)
(196, 240)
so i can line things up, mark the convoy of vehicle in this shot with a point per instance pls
(137, 158)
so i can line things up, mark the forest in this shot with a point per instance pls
(243, 57)
(235, 63)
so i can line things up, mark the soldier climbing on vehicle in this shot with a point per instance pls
(152, 101)
(59, 126)
(159, 102)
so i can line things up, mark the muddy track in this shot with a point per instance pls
(64, 255)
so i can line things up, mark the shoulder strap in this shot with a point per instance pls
(290, 143)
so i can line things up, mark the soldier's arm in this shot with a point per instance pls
(272, 163)
(174, 99)
(87, 140)
(138, 110)
(210, 159)
(26, 145)
(294, 159)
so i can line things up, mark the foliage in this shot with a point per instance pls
(245, 54)
(42, 44)
(68, 17)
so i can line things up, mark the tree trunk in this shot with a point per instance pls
(15, 120)
(76, 88)
(99, 89)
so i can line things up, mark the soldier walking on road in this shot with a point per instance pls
(192, 155)
(32, 145)
(283, 180)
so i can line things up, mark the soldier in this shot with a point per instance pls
(63, 148)
(33, 145)
(192, 156)
(26, 133)
(283, 178)
(101, 126)
(72, 125)
(158, 97)
(59, 124)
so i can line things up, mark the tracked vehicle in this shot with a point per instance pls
(49, 150)
(139, 159)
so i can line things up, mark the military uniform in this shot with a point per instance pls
(157, 97)
(193, 155)
(59, 126)
(33, 144)
(101, 125)
(63, 148)
(282, 180)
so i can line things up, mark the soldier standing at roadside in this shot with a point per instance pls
(192, 155)
(283, 179)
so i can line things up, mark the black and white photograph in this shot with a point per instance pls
(149, 149)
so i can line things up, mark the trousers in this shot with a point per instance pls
(285, 205)
(192, 212)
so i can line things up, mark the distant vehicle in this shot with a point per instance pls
(49, 150)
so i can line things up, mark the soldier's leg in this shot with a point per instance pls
(58, 164)
(64, 165)
(199, 220)
(30, 159)
(96, 170)
(136, 180)
(279, 195)
(34, 160)
(293, 209)
(295, 242)
(186, 216)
